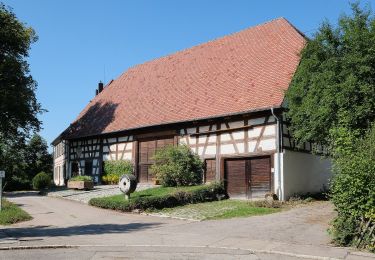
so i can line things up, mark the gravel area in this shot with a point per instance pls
(98, 191)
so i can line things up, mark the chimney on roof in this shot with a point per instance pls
(96, 92)
(100, 88)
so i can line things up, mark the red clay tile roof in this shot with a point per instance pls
(246, 71)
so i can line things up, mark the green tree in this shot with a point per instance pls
(37, 158)
(331, 101)
(23, 160)
(18, 104)
(334, 84)
(12, 162)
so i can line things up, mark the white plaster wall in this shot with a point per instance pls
(268, 144)
(303, 173)
(58, 163)
(121, 155)
(263, 138)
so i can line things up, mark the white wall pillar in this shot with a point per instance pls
(279, 175)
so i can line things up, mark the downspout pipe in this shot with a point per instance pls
(278, 153)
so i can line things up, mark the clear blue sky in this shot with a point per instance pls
(79, 38)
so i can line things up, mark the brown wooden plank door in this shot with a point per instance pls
(260, 177)
(146, 151)
(248, 177)
(210, 170)
(236, 178)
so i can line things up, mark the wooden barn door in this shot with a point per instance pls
(146, 151)
(260, 177)
(210, 170)
(248, 178)
(236, 178)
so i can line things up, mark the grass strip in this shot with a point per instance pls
(11, 213)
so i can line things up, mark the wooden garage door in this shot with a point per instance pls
(248, 178)
(146, 150)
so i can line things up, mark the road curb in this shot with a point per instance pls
(251, 251)
(36, 247)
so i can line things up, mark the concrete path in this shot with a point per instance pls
(92, 233)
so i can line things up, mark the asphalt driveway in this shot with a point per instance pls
(74, 227)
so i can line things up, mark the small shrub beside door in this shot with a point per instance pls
(113, 170)
(177, 166)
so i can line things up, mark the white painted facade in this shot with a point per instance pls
(59, 166)
(300, 173)
(120, 148)
(297, 173)
(245, 137)
(91, 150)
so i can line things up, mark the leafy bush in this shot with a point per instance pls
(204, 193)
(113, 170)
(81, 178)
(41, 181)
(353, 188)
(111, 178)
(177, 166)
(119, 167)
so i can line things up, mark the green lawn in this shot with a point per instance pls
(159, 191)
(11, 214)
(216, 210)
(164, 201)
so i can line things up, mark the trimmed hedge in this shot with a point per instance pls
(211, 192)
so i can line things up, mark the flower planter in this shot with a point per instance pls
(81, 185)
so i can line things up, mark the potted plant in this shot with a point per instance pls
(81, 183)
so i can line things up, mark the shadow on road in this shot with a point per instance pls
(93, 229)
(18, 194)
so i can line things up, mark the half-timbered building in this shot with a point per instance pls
(224, 99)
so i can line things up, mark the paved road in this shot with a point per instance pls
(92, 233)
